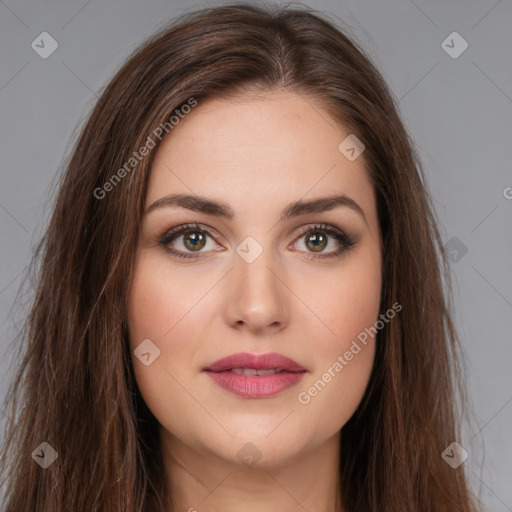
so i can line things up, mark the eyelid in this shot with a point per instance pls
(320, 226)
(191, 226)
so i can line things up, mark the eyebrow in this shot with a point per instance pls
(220, 209)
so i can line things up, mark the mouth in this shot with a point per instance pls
(255, 376)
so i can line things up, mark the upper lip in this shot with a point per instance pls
(270, 360)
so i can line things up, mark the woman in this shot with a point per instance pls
(240, 299)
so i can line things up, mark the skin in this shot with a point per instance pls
(257, 154)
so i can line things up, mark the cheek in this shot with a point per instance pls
(167, 305)
(162, 300)
(348, 305)
(343, 301)
(159, 311)
(330, 398)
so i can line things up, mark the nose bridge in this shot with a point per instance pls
(256, 294)
(254, 266)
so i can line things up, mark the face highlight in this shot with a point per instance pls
(279, 252)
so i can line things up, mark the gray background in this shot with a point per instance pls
(458, 110)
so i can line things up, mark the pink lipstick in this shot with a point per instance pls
(255, 376)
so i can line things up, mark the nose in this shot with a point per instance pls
(257, 299)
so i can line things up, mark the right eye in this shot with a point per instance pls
(194, 238)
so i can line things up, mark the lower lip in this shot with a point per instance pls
(255, 386)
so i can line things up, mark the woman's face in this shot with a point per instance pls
(260, 279)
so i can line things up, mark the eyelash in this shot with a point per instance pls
(345, 242)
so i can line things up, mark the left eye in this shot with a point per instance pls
(318, 237)
(316, 240)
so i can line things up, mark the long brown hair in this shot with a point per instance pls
(75, 380)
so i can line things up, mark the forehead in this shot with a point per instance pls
(262, 149)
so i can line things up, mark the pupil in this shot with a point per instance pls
(194, 240)
(318, 241)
